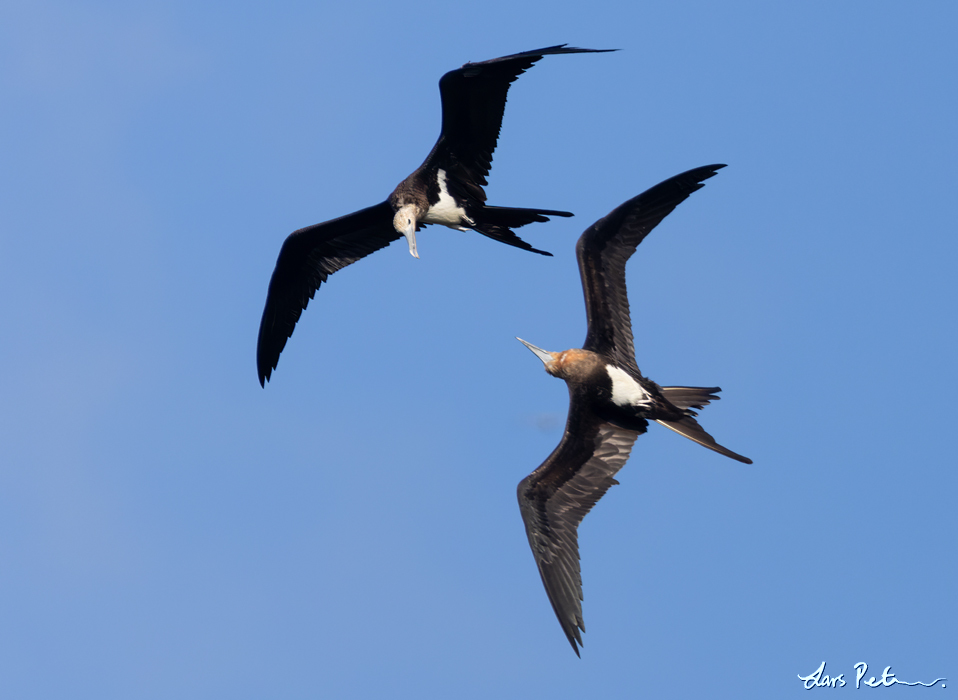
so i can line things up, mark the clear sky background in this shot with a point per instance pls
(168, 529)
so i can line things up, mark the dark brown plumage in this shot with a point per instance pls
(610, 402)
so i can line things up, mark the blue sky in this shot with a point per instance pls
(170, 529)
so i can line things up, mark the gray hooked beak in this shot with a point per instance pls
(543, 355)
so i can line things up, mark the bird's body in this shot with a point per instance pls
(447, 189)
(610, 401)
(431, 196)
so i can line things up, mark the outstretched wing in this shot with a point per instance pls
(605, 248)
(555, 498)
(307, 258)
(473, 101)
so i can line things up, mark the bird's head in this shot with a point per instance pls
(405, 223)
(571, 365)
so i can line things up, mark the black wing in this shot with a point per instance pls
(306, 259)
(473, 101)
(605, 248)
(555, 498)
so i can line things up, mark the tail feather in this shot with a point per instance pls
(497, 223)
(686, 397)
(689, 427)
(511, 217)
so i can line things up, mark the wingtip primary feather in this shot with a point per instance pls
(264, 371)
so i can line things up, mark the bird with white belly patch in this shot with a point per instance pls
(447, 190)
(610, 402)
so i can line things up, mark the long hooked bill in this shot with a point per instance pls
(543, 355)
(411, 239)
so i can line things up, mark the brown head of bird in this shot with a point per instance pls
(571, 365)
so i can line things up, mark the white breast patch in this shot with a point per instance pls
(446, 211)
(625, 390)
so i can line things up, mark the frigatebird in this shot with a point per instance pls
(610, 402)
(446, 189)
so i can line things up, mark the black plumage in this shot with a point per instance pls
(446, 189)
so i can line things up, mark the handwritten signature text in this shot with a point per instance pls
(819, 679)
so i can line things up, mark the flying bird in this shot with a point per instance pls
(610, 402)
(446, 189)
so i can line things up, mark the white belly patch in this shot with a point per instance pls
(446, 211)
(625, 390)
